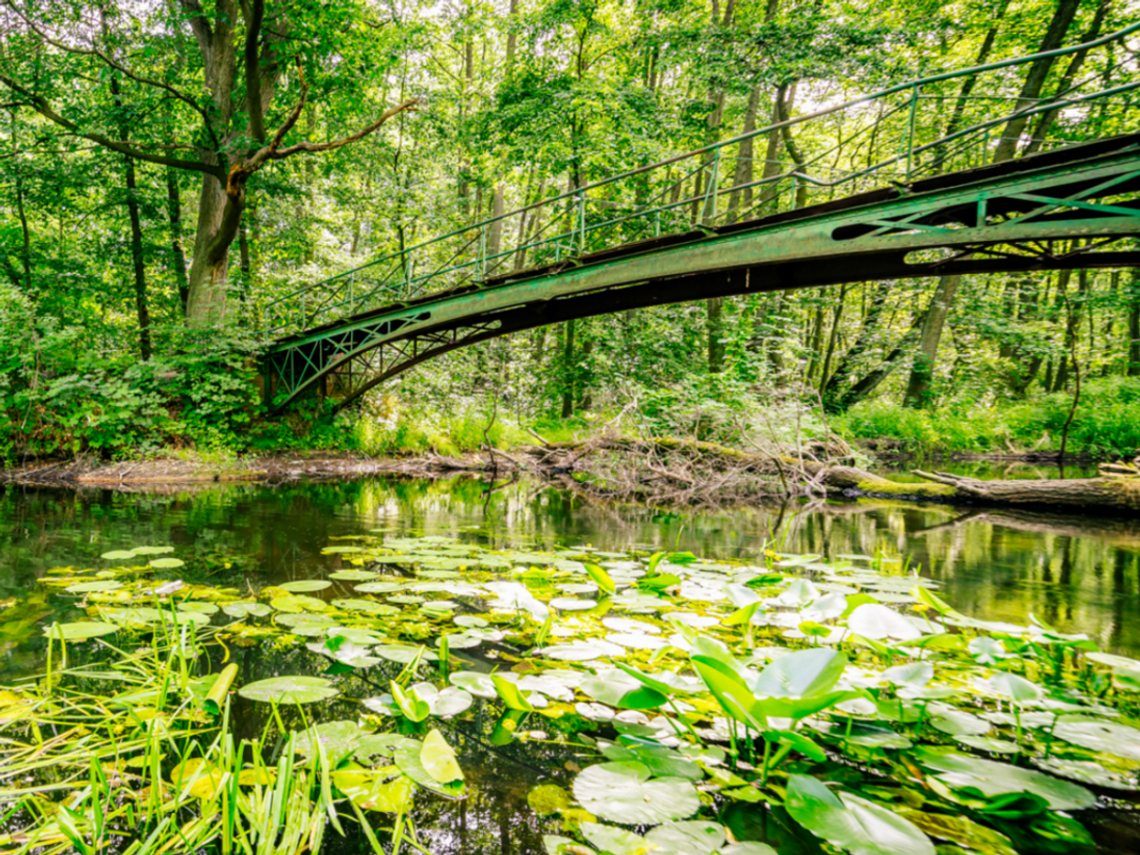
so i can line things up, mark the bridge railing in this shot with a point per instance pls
(943, 123)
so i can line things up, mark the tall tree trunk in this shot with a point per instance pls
(742, 196)
(1046, 119)
(178, 254)
(715, 331)
(1035, 79)
(922, 371)
(1133, 368)
(569, 372)
(218, 218)
(138, 262)
(21, 212)
(495, 229)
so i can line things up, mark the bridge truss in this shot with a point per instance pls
(681, 230)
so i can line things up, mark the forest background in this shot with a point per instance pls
(168, 169)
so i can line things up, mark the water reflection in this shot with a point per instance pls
(1078, 573)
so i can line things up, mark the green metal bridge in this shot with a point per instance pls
(916, 180)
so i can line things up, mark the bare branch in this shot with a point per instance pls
(411, 104)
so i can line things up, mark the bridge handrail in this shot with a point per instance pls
(913, 86)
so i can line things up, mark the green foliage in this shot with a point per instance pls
(1107, 421)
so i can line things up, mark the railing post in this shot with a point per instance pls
(910, 130)
(482, 268)
(304, 313)
(582, 222)
(352, 291)
(657, 224)
(709, 213)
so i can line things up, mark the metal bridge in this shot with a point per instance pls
(901, 183)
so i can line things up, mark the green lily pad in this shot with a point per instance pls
(993, 778)
(289, 690)
(80, 630)
(241, 610)
(119, 555)
(852, 824)
(367, 606)
(166, 563)
(151, 550)
(353, 576)
(1096, 735)
(623, 792)
(93, 587)
(304, 586)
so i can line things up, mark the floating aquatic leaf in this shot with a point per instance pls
(380, 587)
(623, 792)
(241, 610)
(289, 690)
(119, 555)
(304, 586)
(875, 621)
(616, 688)
(198, 608)
(375, 789)
(353, 576)
(855, 825)
(93, 587)
(151, 550)
(993, 778)
(576, 652)
(569, 604)
(79, 631)
(367, 606)
(166, 563)
(477, 683)
(438, 759)
(1097, 735)
(1017, 689)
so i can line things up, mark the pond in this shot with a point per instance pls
(523, 769)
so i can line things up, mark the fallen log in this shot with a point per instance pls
(1119, 493)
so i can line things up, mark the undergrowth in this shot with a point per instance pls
(1107, 423)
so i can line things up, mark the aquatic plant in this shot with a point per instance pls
(845, 698)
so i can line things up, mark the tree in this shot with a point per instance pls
(243, 53)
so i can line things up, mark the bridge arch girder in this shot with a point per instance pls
(1045, 212)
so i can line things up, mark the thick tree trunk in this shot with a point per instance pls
(209, 272)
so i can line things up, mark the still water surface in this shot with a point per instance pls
(1081, 574)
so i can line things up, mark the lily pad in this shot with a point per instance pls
(856, 825)
(623, 792)
(80, 630)
(93, 587)
(289, 690)
(305, 586)
(166, 563)
(119, 555)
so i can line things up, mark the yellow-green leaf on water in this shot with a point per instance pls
(601, 578)
(371, 789)
(438, 759)
(119, 555)
(79, 631)
(166, 563)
